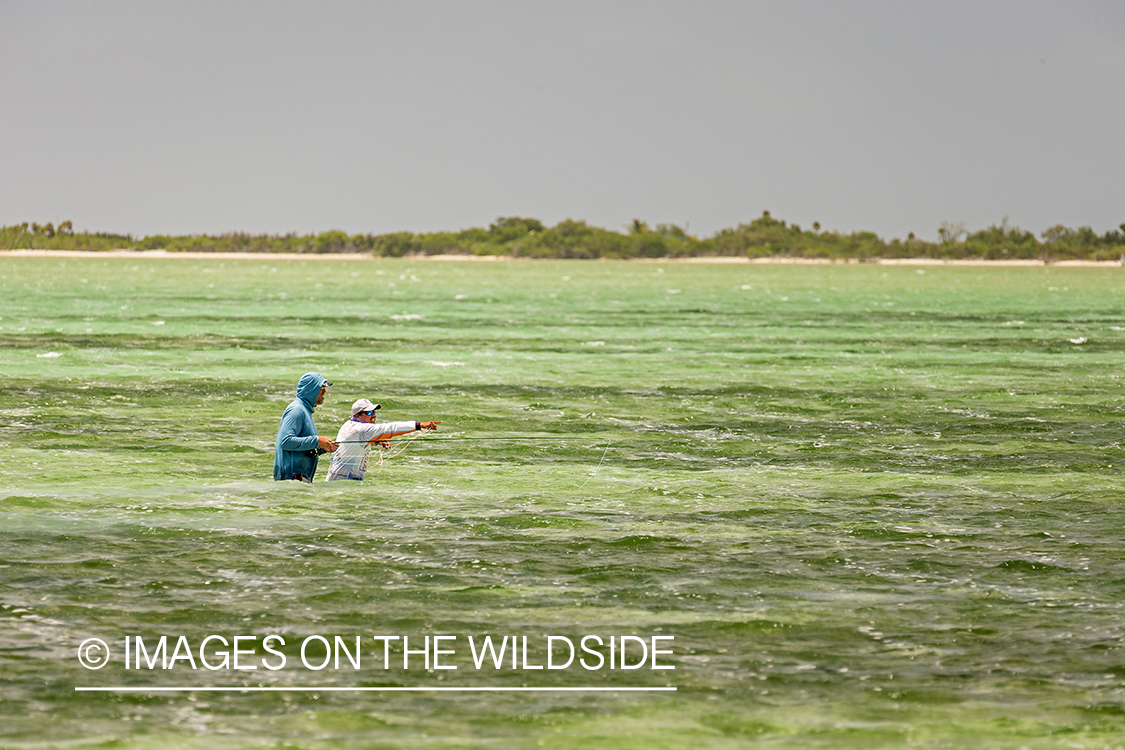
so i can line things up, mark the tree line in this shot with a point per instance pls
(520, 237)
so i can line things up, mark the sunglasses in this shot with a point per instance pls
(369, 413)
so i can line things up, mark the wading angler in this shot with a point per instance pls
(358, 434)
(298, 444)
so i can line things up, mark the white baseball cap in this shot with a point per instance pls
(363, 405)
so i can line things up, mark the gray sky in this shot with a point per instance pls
(164, 117)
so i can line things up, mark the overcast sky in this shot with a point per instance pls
(193, 117)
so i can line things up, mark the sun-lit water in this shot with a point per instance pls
(874, 506)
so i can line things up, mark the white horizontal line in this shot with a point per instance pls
(313, 689)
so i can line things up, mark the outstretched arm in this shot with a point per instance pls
(394, 429)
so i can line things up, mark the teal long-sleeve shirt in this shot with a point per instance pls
(297, 438)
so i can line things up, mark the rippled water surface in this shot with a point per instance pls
(873, 506)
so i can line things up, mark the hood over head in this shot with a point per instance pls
(308, 388)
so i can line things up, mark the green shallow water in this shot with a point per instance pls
(874, 506)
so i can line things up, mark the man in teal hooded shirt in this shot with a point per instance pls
(298, 444)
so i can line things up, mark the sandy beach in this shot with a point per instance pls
(164, 254)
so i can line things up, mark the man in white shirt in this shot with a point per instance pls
(358, 435)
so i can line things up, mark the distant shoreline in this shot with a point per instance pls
(164, 254)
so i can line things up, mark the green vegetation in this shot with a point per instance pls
(528, 238)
